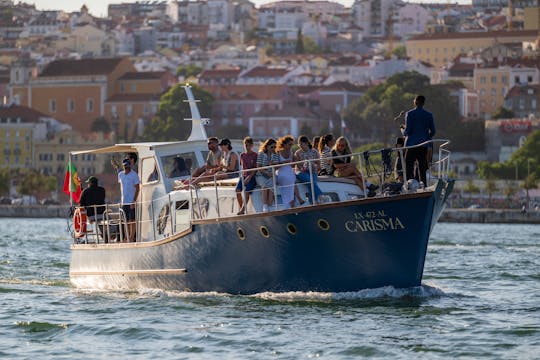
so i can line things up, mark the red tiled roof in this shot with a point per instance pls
(142, 75)
(246, 92)
(476, 34)
(343, 86)
(262, 71)
(81, 67)
(134, 97)
(25, 113)
(219, 73)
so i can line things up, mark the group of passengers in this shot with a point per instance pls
(279, 166)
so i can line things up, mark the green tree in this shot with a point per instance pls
(509, 191)
(169, 123)
(310, 47)
(299, 42)
(188, 70)
(491, 188)
(503, 113)
(471, 188)
(5, 179)
(100, 125)
(34, 183)
(400, 52)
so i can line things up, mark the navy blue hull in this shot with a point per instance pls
(336, 247)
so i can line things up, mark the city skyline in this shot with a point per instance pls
(99, 7)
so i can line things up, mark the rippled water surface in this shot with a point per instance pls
(480, 298)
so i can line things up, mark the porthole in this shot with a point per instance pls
(241, 234)
(323, 224)
(291, 228)
(264, 231)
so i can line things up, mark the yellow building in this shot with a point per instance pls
(532, 18)
(20, 127)
(441, 48)
(78, 92)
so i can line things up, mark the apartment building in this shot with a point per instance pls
(440, 48)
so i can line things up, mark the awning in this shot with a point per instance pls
(105, 150)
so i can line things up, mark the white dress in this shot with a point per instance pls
(286, 179)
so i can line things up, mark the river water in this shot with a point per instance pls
(480, 298)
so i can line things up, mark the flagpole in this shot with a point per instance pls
(70, 177)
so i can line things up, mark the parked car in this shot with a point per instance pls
(5, 200)
(50, 202)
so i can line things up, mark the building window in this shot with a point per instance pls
(516, 79)
(529, 79)
(533, 104)
(52, 105)
(89, 105)
(504, 79)
(493, 79)
(482, 79)
(71, 105)
(113, 110)
(129, 110)
(483, 92)
(493, 92)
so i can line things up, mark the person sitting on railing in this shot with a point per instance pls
(211, 166)
(229, 165)
(267, 156)
(325, 150)
(91, 196)
(248, 160)
(343, 167)
(307, 170)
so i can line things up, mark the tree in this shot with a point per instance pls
(531, 182)
(471, 188)
(100, 125)
(188, 70)
(509, 191)
(400, 52)
(503, 113)
(491, 188)
(5, 178)
(310, 47)
(169, 123)
(36, 184)
(299, 42)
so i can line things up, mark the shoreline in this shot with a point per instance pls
(451, 215)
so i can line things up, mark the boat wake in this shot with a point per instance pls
(424, 291)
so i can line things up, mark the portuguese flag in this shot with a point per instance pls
(72, 183)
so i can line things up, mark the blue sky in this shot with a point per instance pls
(99, 7)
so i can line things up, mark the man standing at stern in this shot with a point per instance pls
(419, 127)
(129, 186)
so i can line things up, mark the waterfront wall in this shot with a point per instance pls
(502, 216)
(494, 216)
(34, 211)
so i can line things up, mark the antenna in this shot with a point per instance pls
(198, 132)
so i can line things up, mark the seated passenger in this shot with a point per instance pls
(91, 196)
(179, 168)
(229, 166)
(212, 165)
(343, 167)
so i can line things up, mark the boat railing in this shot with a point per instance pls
(174, 212)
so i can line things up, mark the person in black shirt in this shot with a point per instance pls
(93, 195)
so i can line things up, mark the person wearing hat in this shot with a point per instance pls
(229, 165)
(91, 196)
(129, 187)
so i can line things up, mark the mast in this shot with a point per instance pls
(198, 132)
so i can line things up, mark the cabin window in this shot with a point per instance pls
(179, 165)
(150, 172)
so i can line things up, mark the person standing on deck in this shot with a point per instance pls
(419, 127)
(129, 186)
